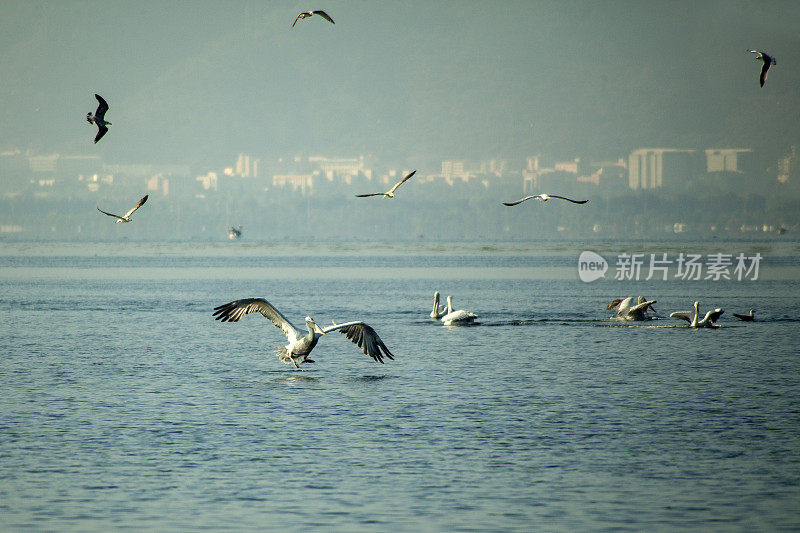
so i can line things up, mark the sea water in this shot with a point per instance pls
(125, 405)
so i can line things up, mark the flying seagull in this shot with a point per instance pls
(300, 345)
(127, 216)
(767, 59)
(99, 118)
(544, 198)
(390, 192)
(746, 318)
(306, 14)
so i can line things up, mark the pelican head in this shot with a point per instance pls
(435, 312)
(312, 326)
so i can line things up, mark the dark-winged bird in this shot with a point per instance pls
(767, 60)
(390, 192)
(300, 345)
(306, 14)
(98, 118)
(544, 198)
(127, 216)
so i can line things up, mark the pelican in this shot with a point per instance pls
(543, 198)
(750, 317)
(708, 321)
(390, 192)
(454, 318)
(438, 310)
(627, 310)
(300, 345)
(127, 216)
(306, 14)
(767, 60)
(98, 118)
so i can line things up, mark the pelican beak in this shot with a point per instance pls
(319, 329)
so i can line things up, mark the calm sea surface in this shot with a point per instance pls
(124, 405)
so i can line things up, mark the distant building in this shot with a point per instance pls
(648, 168)
(787, 165)
(343, 169)
(454, 170)
(728, 160)
(302, 182)
(246, 167)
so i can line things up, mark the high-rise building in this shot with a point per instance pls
(648, 168)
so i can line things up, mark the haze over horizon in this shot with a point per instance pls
(413, 82)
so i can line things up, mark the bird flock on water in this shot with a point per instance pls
(300, 345)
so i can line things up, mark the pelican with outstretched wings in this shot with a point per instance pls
(390, 192)
(98, 119)
(306, 14)
(300, 344)
(127, 216)
(543, 198)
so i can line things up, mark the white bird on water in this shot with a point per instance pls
(543, 198)
(127, 216)
(438, 310)
(767, 61)
(627, 310)
(306, 14)
(390, 192)
(300, 345)
(708, 321)
(98, 118)
(459, 317)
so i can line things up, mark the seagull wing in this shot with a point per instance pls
(371, 194)
(101, 130)
(568, 199)
(399, 183)
(520, 201)
(764, 69)
(110, 214)
(233, 311)
(683, 315)
(324, 15)
(365, 337)
(296, 19)
(140, 204)
(102, 106)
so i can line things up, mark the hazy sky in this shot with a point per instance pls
(413, 81)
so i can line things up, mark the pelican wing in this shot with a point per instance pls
(520, 200)
(102, 106)
(110, 214)
(233, 311)
(372, 194)
(101, 130)
(683, 315)
(324, 15)
(365, 337)
(296, 19)
(713, 316)
(569, 199)
(399, 183)
(642, 307)
(140, 204)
